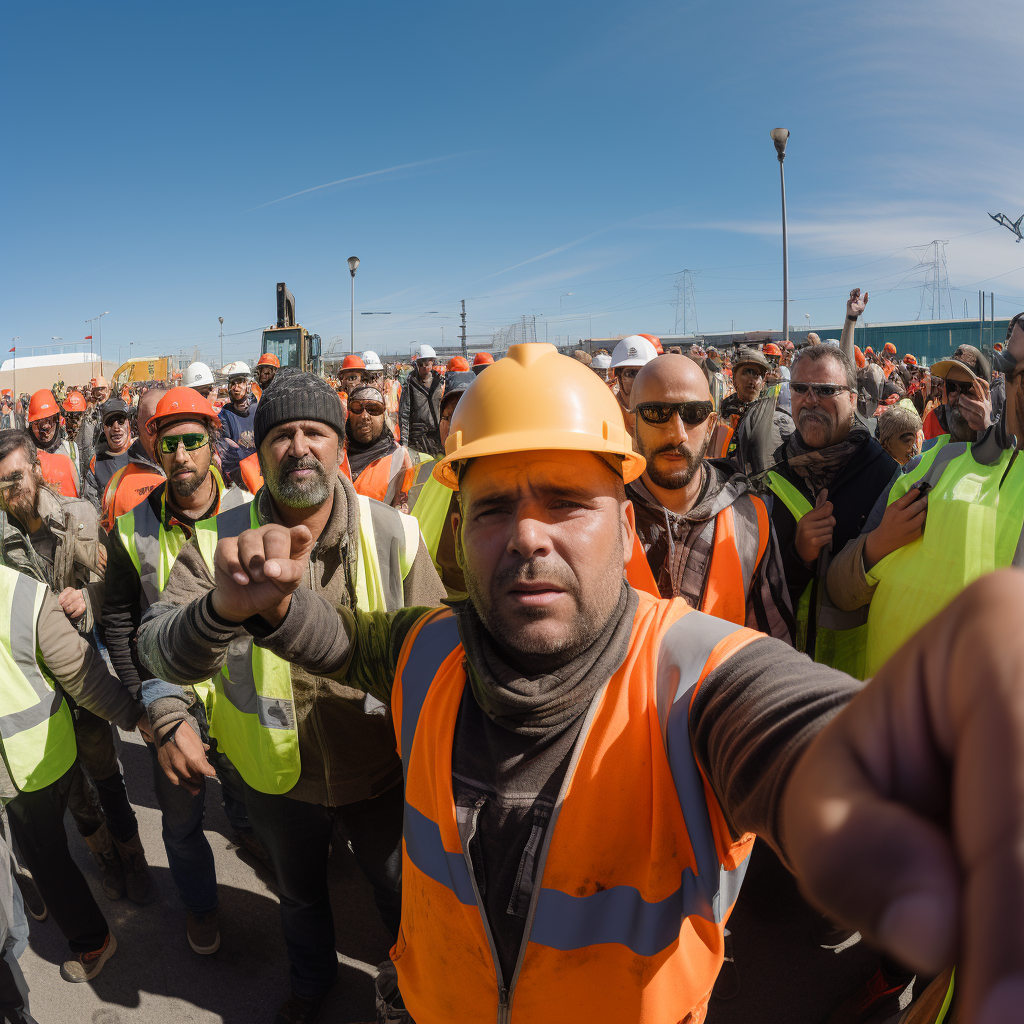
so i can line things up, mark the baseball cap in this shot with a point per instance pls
(113, 407)
(968, 357)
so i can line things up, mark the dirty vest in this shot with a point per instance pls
(254, 711)
(36, 729)
(637, 872)
(974, 525)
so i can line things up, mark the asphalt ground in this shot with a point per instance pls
(155, 978)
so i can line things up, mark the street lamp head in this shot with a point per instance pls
(353, 265)
(221, 319)
(780, 136)
(105, 313)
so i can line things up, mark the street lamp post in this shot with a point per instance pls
(98, 321)
(353, 266)
(14, 370)
(221, 319)
(780, 136)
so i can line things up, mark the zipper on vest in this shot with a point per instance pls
(505, 1002)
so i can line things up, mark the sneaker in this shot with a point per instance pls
(203, 932)
(878, 997)
(85, 966)
(299, 1010)
(31, 897)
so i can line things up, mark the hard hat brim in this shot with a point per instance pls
(445, 471)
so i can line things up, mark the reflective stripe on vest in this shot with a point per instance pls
(429, 501)
(36, 729)
(637, 861)
(974, 526)
(254, 711)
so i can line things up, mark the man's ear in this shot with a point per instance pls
(628, 518)
(456, 521)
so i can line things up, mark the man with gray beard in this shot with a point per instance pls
(310, 747)
(705, 537)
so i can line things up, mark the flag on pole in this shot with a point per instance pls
(88, 337)
(12, 348)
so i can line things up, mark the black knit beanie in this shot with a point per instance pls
(293, 395)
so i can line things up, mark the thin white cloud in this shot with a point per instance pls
(358, 177)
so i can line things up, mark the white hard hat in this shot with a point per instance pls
(372, 361)
(423, 352)
(236, 369)
(633, 351)
(602, 361)
(196, 375)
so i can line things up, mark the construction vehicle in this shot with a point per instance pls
(153, 368)
(293, 345)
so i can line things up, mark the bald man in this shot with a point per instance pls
(706, 538)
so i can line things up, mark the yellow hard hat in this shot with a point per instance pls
(535, 400)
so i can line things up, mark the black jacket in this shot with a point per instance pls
(419, 414)
(853, 493)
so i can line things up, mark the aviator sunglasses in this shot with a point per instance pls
(359, 405)
(659, 413)
(820, 390)
(192, 442)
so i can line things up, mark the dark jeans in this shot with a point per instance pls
(37, 824)
(188, 850)
(296, 836)
(96, 754)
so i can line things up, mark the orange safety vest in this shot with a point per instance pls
(725, 594)
(384, 479)
(59, 472)
(249, 468)
(637, 873)
(126, 488)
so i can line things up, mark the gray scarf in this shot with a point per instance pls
(820, 466)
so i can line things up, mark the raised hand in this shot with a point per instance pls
(256, 572)
(856, 303)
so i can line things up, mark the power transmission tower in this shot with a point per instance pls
(1012, 225)
(465, 351)
(685, 304)
(932, 259)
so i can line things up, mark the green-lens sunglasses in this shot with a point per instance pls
(169, 442)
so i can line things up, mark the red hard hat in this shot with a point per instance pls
(457, 365)
(182, 403)
(268, 359)
(910, 359)
(889, 349)
(656, 342)
(353, 363)
(42, 405)
(482, 359)
(771, 349)
(74, 402)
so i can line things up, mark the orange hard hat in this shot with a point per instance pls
(483, 359)
(998, 346)
(99, 382)
(182, 403)
(74, 402)
(910, 359)
(858, 357)
(771, 349)
(351, 362)
(889, 349)
(457, 365)
(532, 400)
(269, 359)
(869, 351)
(42, 405)
(656, 342)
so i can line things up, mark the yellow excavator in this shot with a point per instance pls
(293, 345)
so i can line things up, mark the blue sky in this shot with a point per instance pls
(505, 154)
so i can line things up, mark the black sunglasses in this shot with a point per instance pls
(117, 419)
(820, 390)
(964, 387)
(659, 413)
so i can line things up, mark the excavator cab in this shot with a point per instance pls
(293, 345)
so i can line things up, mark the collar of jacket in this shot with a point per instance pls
(138, 456)
(158, 502)
(340, 534)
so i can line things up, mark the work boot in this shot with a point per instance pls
(85, 966)
(30, 895)
(203, 932)
(101, 842)
(299, 1010)
(137, 880)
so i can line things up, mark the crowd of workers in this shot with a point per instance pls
(276, 583)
